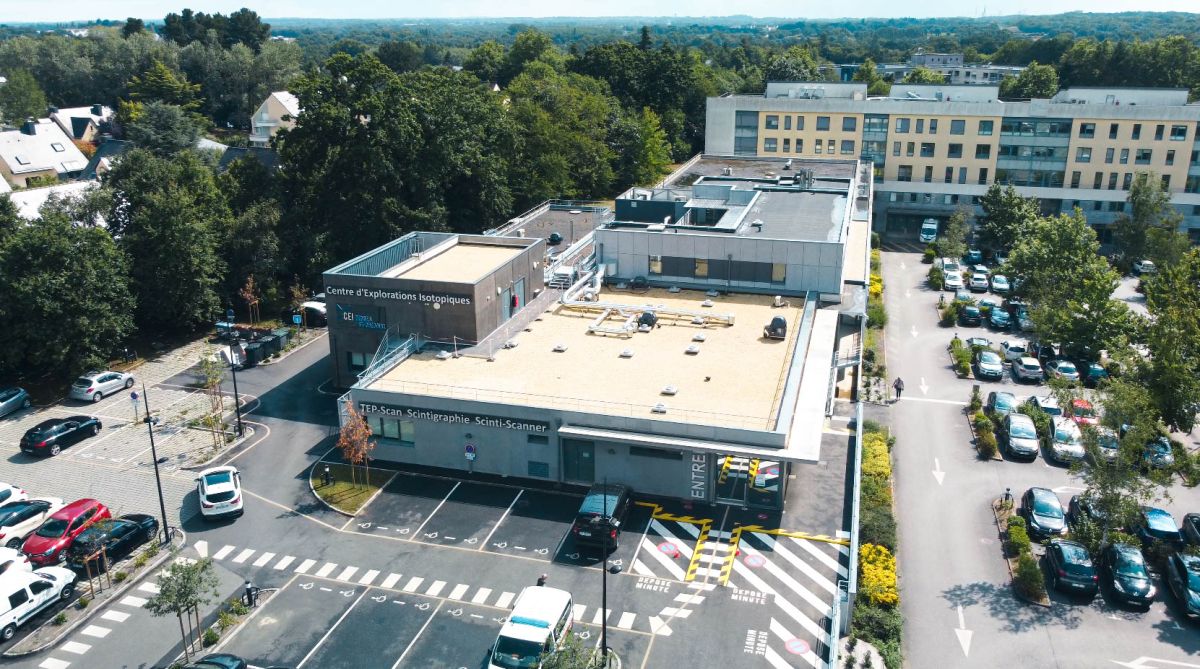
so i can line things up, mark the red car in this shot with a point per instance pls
(1083, 413)
(46, 545)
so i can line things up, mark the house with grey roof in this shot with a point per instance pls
(82, 123)
(38, 149)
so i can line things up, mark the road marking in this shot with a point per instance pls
(672, 612)
(96, 631)
(305, 566)
(202, 548)
(130, 600)
(787, 607)
(825, 558)
(1150, 662)
(390, 581)
(497, 525)
(435, 589)
(914, 331)
(657, 626)
(347, 573)
(418, 636)
(505, 598)
(51, 663)
(481, 596)
(263, 559)
(601, 615)
(963, 634)
(283, 563)
(938, 474)
(368, 577)
(149, 587)
(435, 510)
(75, 647)
(326, 569)
(784, 635)
(626, 621)
(930, 399)
(459, 590)
(579, 610)
(331, 629)
(923, 386)
(115, 616)
(243, 556)
(220, 555)
(413, 583)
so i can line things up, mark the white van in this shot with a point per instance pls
(540, 620)
(929, 230)
(24, 593)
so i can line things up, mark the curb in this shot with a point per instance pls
(67, 630)
(320, 499)
(247, 432)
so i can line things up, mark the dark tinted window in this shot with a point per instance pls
(18, 598)
(1128, 562)
(222, 496)
(1046, 505)
(596, 500)
(55, 527)
(39, 587)
(1077, 555)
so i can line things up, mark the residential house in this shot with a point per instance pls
(268, 157)
(82, 123)
(38, 149)
(279, 110)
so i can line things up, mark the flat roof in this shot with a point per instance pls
(801, 215)
(571, 224)
(736, 380)
(461, 263)
(765, 168)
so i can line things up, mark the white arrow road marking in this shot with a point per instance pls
(903, 265)
(963, 634)
(202, 548)
(914, 331)
(1152, 663)
(939, 475)
(907, 293)
(923, 386)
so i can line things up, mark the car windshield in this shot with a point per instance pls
(1159, 447)
(9, 512)
(1066, 368)
(989, 357)
(1162, 523)
(217, 478)
(223, 496)
(1044, 505)
(1022, 430)
(971, 311)
(1005, 401)
(597, 501)
(516, 653)
(1076, 555)
(53, 528)
(1193, 574)
(1129, 563)
(1108, 440)
(1065, 435)
(1083, 410)
(1031, 366)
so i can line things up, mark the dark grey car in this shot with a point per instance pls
(1043, 513)
(13, 399)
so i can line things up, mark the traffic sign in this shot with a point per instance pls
(469, 452)
(229, 315)
(133, 397)
(296, 319)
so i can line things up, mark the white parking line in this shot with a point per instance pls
(437, 508)
(368, 577)
(413, 583)
(436, 588)
(75, 647)
(481, 596)
(244, 555)
(221, 554)
(305, 566)
(626, 621)
(390, 581)
(578, 611)
(283, 563)
(418, 636)
(263, 559)
(96, 631)
(331, 629)
(505, 598)
(459, 590)
(347, 573)
(326, 569)
(483, 544)
(115, 616)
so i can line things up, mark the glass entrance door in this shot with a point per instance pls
(579, 460)
(750, 482)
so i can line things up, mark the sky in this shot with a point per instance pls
(15, 11)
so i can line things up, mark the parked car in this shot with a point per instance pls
(964, 296)
(46, 545)
(1000, 284)
(1000, 319)
(1183, 577)
(1082, 412)
(20, 518)
(1062, 369)
(978, 343)
(598, 522)
(973, 257)
(13, 399)
(969, 316)
(219, 490)
(989, 304)
(1047, 403)
(1081, 508)
(1108, 445)
(950, 265)
(11, 493)
(1020, 436)
(952, 280)
(1014, 350)
(49, 437)
(218, 661)
(1027, 369)
(1065, 441)
(118, 538)
(1043, 513)
(95, 386)
(979, 283)
(1126, 575)
(988, 365)
(1000, 403)
(1191, 528)
(1153, 525)
(1071, 568)
(1093, 374)
(1141, 267)
(14, 560)
(28, 593)
(1157, 454)
(1024, 322)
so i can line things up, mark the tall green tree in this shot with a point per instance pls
(67, 302)
(868, 73)
(796, 64)
(401, 56)
(923, 75)
(485, 61)
(1006, 217)
(1150, 211)
(163, 129)
(132, 27)
(21, 97)
(640, 148)
(1035, 81)
(953, 243)
(530, 45)
(182, 590)
(161, 83)
(10, 218)
(1172, 370)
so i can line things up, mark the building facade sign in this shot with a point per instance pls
(347, 313)
(698, 476)
(406, 296)
(453, 417)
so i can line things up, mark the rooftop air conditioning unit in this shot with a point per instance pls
(788, 165)
(706, 303)
(670, 390)
(727, 171)
(711, 293)
(673, 289)
(443, 355)
(692, 350)
(627, 353)
(658, 408)
(699, 337)
(560, 348)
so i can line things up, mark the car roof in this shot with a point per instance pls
(74, 508)
(53, 422)
(216, 470)
(1046, 400)
(1020, 418)
(1044, 493)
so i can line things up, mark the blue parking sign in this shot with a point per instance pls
(296, 318)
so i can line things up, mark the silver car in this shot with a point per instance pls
(95, 386)
(1021, 438)
(13, 399)
(1066, 442)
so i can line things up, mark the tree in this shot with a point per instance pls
(132, 27)
(1150, 210)
(67, 302)
(251, 248)
(868, 73)
(212, 373)
(795, 64)
(923, 75)
(401, 56)
(1173, 338)
(530, 45)
(953, 243)
(10, 218)
(21, 98)
(182, 590)
(485, 61)
(1006, 217)
(163, 129)
(645, 43)
(160, 83)
(1035, 81)
(354, 441)
(640, 149)
(571, 654)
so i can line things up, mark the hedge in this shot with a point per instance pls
(1018, 539)
(1028, 578)
(882, 627)
(876, 617)
(876, 460)
(877, 567)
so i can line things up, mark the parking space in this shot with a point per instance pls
(404, 505)
(535, 524)
(468, 514)
(633, 531)
(458, 635)
(379, 625)
(291, 624)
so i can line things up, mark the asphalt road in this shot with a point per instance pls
(959, 609)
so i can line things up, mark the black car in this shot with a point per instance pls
(51, 436)
(600, 516)
(1191, 528)
(1093, 373)
(969, 315)
(1081, 508)
(118, 537)
(1155, 525)
(1043, 513)
(1125, 574)
(1183, 576)
(1071, 567)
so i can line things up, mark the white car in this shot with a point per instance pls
(11, 558)
(950, 265)
(27, 593)
(19, 519)
(1000, 284)
(1066, 441)
(11, 493)
(979, 283)
(1047, 403)
(220, 492)
(1028, 369)
(952, 281)
(1014, 350)
(95, 386)
(1144, 267)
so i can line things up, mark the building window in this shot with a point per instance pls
(391, 428)
(537, 439)
(1127, 181)
(799, 122)
(920, 126)
(849, 123)
(848, 146)
(1192, 185)
(539, 469)
(1112, 130)
(771, 145)
(933, 126)
(799, 146)
(1143, 156)
(772, 122)
(962, 175)
(1075, 177)
(983, 176)
(958, 126)
(701, 269)
(1112, 181)
(1116, 206)
(1166, 181)
(983, 151)
(745, 133)
(778, 272)
(928, 173)
(1097, 206)
(656, 265)
(1178, 133)
(1086, 130)
(1124, 156)
(1098, 182)
(1137, 131)
(1108, 155)
(828, 146)
(1171, 157)
(926, 149)
(904, 173)
(787, 145)
(902, 125)
(817, 147)
(949, 178)
(985, 128)
(895, 148)
(954, 151)
(822, 123)
(1158, 132)
(1083, 154)
(356, 361)
(787, 122)
(643, 452)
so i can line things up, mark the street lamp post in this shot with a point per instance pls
(162, 505)
(237, 399)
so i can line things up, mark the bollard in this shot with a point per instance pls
(326, 477)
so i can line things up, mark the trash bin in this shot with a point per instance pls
(283, 334)
(270, 345)
(254, 354)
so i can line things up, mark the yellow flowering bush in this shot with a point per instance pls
(877, 569)
(875, 456)
(876, 287)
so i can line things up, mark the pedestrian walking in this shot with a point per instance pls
(542, 579)
(898, 386)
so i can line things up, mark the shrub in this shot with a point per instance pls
(962, 360)
(876, 461)
(1041, 419)
(876, 260)
(937, 278)
(876, 493)
(83, 602)
(120, 577)
(59, 620)
(877, 568)
(151, 550)
(877, 526)
(1017, 521)
(1018, 539)
(875, 288)
(976, 402)
(238, 608)
(987, 445)
(1028, 578)
(929, 255)
(226, 620)
(140, 561)
(949, 315)
(981, 421)
(881, 626)
(211, 637)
